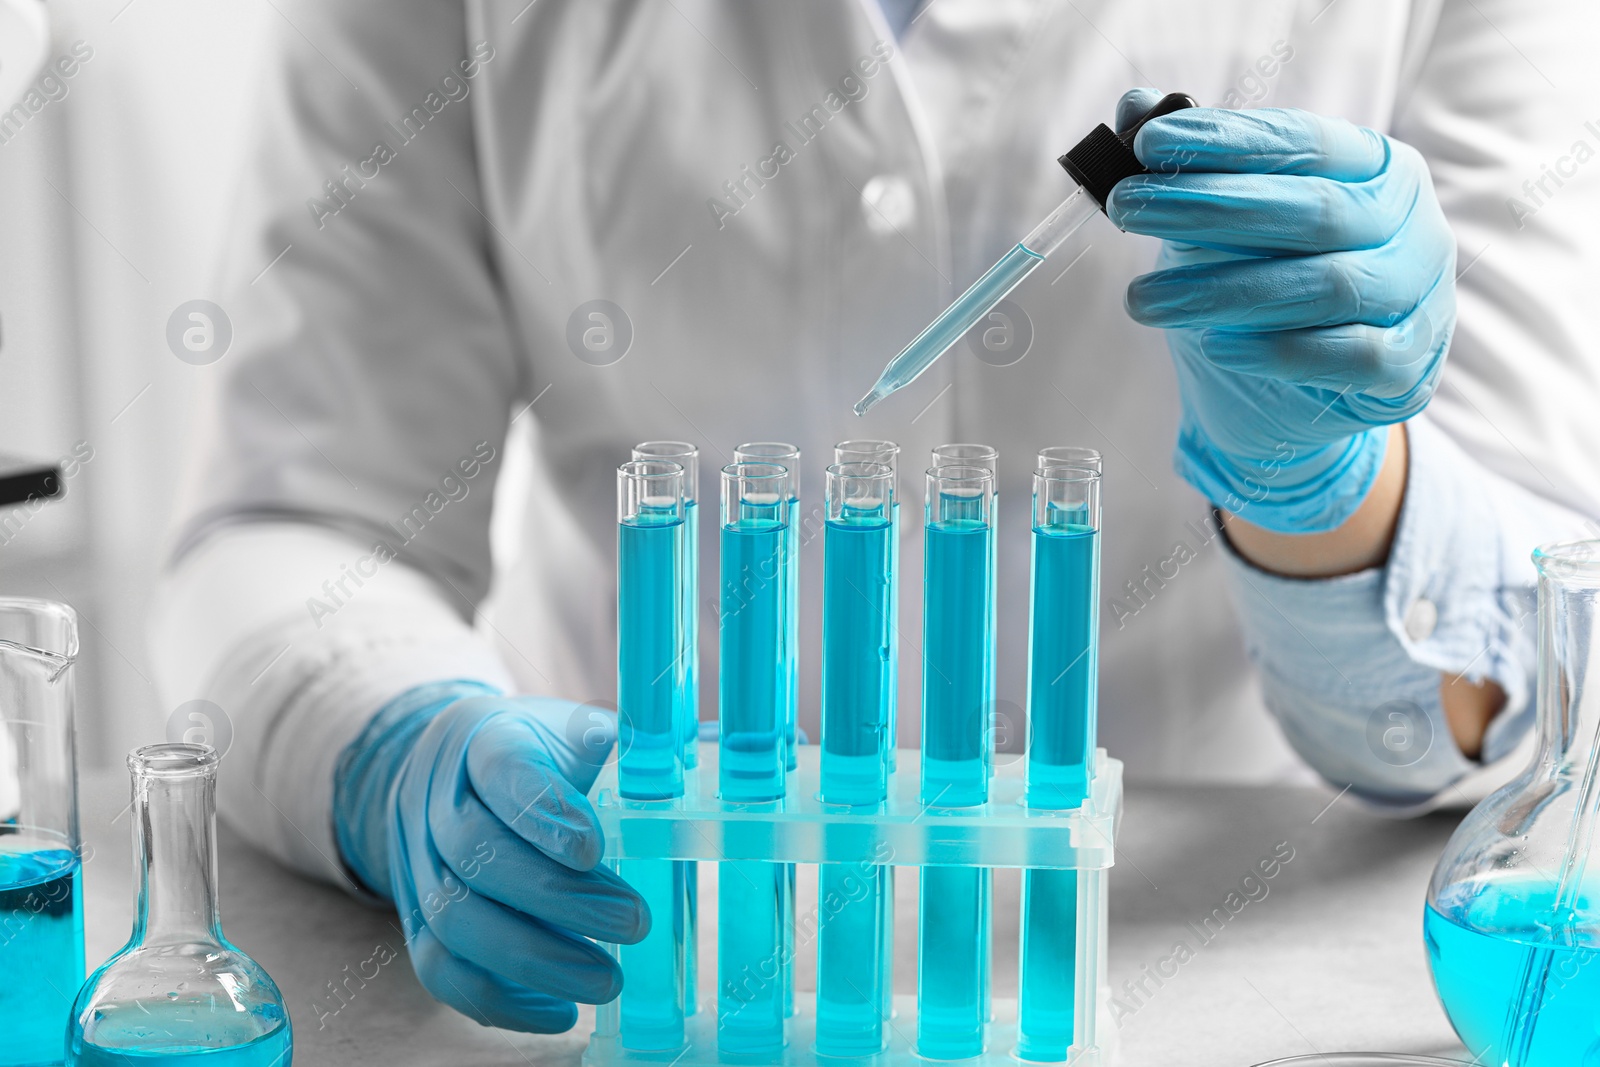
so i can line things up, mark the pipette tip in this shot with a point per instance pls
(868, 402)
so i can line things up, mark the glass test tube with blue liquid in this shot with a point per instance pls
(41, 906)
(752, 692)
(1063, 663)
(786, 455)
(988, 458)
(957, 691)
(1080, 457)
(652, 659)
(887, 453)
(687, 455)
(857, 694)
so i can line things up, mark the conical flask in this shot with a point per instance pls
(1512, 924)
(178, 992)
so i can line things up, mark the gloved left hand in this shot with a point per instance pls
(1307, 286)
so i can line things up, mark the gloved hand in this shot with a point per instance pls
(1307, 286)
(467, 809)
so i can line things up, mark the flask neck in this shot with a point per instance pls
(175, 854)
(1569, 628)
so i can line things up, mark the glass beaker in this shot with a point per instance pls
(178, 992)
(1512, 923)
(41, 916)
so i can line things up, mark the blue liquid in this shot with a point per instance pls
(170, 1035)
(1063, 664)
(852, 943)
(651, 656)
(857, 659)
(652, 1007)
(41, 953)
(958, 661)
(1047, 994)
(691, 630)
(892, 734)
(952, 1010)
(952, 324)
(1485, 942)
(790, 723)
(957, 690)
(791, 650)
(786, 931)
(691, 936)
(691, 736)
(750, 957)
(754, 681)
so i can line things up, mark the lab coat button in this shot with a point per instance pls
(888, 204)
(1421, 617)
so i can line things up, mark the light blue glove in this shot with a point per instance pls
(1307, 286)
(467, 809)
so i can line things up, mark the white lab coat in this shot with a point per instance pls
(777, 209)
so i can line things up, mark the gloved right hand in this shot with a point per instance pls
(1307, 287)
(467, 809)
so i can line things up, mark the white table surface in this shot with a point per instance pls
(1331, 959)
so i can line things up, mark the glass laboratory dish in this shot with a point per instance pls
(178, 993)
(1362, 1059)
(1512, 923)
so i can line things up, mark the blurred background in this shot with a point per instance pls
(111, 197)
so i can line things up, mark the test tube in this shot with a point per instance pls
(857, 694)
(788, 456)
(753, 687)
(887, 453)
(1085, 459)
(857, 674)
(687, 455)
(1063, 661)
(958, 634)
(651, 639)
(651, 649)
(962, 454)
(957, 691)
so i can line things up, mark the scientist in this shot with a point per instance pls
(481, 248)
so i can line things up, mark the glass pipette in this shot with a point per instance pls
(1096, 163)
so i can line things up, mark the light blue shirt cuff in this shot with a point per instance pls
(1351, 665)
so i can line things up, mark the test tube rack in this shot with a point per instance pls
(903, 831)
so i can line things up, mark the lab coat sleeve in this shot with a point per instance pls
(1502, 461)
(288, 678)
(359, 411)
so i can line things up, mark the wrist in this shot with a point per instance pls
(1358, 543)
(367, 770)
(1295, 489)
